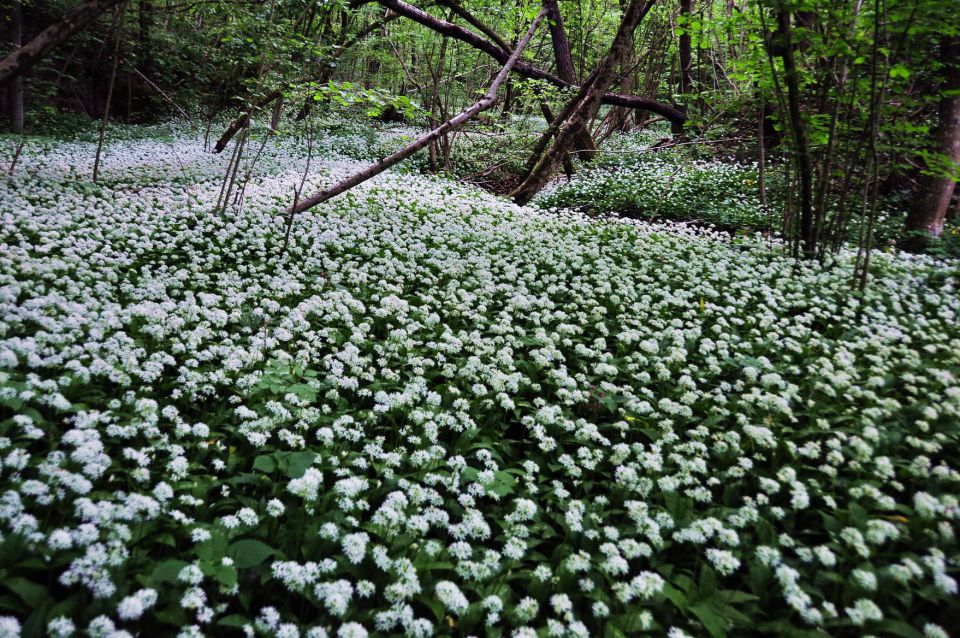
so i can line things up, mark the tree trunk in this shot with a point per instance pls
(275, 116)
(584, 146)
(928, 214)
(470, 19)
(685, 47)
(808, 232)
(585, 105)
(118, 34)
(15, 90)
(619, 119)
(561, 45)
(144, 57)
(75, 19)
(240, 122)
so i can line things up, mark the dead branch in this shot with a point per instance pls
(522, 68)
(488, 100)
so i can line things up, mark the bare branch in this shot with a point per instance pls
(488, 100)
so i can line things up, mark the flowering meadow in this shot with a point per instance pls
(438, 413)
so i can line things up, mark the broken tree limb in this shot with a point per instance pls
(243, 119)
(33, 51)
(472, 20)
(488, 100)
(522, 68)
(160, 91)
(584, 106)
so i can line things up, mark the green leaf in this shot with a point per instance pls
(714, 623)
(214, 549)
(899, 71)
(675, 596)
(172, 615)
(167, 571)
(901, 628)
(296, 463)
(265, 464)
(28, 591)
(226, 575)
(233, 620)
(250, 552)
(502, 484)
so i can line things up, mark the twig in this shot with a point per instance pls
(160, 91)
(16, 156)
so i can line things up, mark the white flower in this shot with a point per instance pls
(308, 485)
(355, 546)
(451, 597)
(61, 627)
(352, 630)
(864, 611)
(9, 627)
(724, 562)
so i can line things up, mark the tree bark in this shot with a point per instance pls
(145, 18)
(561, 45)
(808, 232)
(118, 34)
(15, 89)
(488, 100)
(584, 146)
(685, 49)
(619, 119)
(929, 213)
(75, 20)
(241, 121)
(684, 45)
(275, 116)
(472, 20)
(585, 105)
(522, 68)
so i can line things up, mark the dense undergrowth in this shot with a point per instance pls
(439, 413)
(692, 182)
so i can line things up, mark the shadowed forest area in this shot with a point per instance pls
(542, 318)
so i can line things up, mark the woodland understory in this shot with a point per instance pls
(555, 318)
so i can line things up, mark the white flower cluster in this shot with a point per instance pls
(440, 410)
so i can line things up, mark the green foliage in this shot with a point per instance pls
(657, 186)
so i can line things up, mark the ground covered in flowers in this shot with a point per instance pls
(438, 413)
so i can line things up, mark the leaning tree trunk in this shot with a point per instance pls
(76, 19)
(585, 105)
(15, 90)
(926, 218)
(118, 31)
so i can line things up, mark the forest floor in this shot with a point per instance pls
(438, 412)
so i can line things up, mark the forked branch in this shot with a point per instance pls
(488, 100)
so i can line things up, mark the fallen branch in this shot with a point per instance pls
(488, 100)
(243, 119)
(16, 156)
(522, 68)
(160, 91)
(458, 9)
